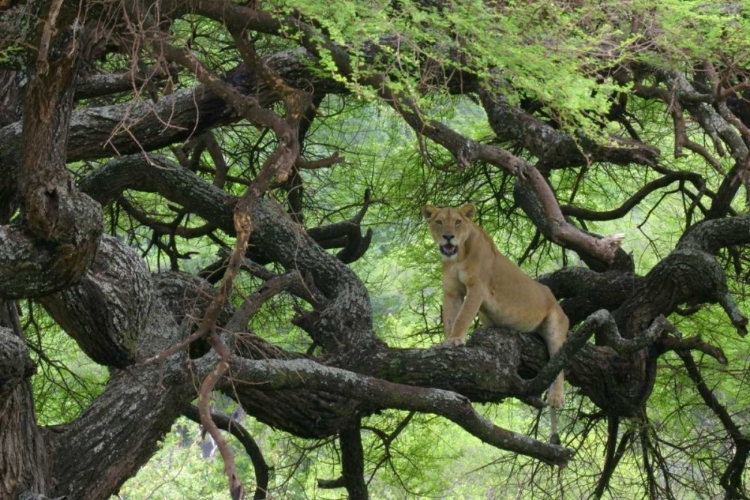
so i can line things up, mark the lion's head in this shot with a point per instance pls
(449, 226)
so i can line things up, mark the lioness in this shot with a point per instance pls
(478, 279)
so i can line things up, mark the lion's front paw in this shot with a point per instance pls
(454, 342)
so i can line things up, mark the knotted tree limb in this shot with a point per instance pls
(61, 226)
(584, 291)
(104, 312)
(137, 408)
(16, 365)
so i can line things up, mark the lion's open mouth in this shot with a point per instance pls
(448, 250)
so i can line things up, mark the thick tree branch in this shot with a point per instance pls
(584, 291)
(112, 83)
(138, 407)
(15, 365)
(278, 374)
(61, 226)
(106, 311)
(553, 148)
(603, 323)
(536, 198)
(152, 172)
(346, 321)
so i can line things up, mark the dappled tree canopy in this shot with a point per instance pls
(197, 193)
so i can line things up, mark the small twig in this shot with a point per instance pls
(334, 159)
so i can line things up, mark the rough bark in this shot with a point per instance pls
(24, 462)
(106, 311)
(352, 462)
(98, 451)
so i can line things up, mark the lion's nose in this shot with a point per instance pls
(448, 237)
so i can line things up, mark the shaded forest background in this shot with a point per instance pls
(209, 214)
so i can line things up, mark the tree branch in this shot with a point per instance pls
(638, 196)
(693, 344)
(352, 462)
(603, 323)
(293, 374)
(251, 447)
(614, 454)
(731, 480)
(553, 148)
(15, 365)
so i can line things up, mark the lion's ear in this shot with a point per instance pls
(428, 211)
(467, 210)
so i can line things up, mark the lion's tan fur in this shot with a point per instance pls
(478, 279)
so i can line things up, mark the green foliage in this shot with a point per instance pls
(66, 381)
(11, 56)
(179, 471)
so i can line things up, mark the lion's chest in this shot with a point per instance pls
(504, 302)
(462, 278)
(459, 278)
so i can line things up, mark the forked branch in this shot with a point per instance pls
(603, 323)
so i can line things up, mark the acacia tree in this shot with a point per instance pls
(103, 100)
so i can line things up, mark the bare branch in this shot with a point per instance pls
(731, 480)
(352, 462)
(252, 449)
(693, 344)
(252, 304)
(633, 201)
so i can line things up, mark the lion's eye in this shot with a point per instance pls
(458, 221)
(439, 222)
